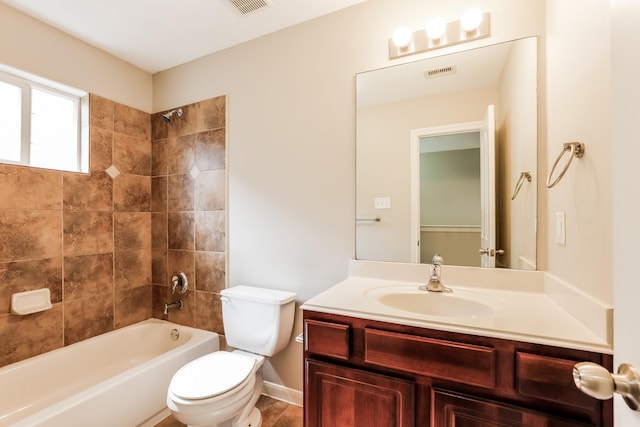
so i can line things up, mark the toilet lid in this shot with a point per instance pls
(211, 375)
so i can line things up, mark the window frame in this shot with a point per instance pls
(27, 84)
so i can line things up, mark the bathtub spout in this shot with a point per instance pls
(176, 305)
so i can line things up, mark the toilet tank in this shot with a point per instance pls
(258, 320)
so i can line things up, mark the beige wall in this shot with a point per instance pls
(33, 47)
(517, 151)
(291, 134)
(578, 104)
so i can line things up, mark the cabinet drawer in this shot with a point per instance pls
(465, 363)
(326, 338)
(549, 378)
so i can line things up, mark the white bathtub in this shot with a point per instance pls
(118, 379)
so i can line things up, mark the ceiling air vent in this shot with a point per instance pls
(246, 7)
(440, 71)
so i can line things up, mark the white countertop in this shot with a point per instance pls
(521, 313)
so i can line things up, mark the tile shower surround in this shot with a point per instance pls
(105, 246)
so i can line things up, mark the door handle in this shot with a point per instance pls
(491, 252)
(596, 381)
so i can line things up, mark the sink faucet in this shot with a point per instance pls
(435, 277)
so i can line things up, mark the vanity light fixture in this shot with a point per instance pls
(473, 25)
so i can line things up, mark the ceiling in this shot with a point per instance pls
(158, 34)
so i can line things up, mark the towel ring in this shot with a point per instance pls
(523, 176)
(575, 149)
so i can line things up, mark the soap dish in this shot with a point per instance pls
(31, 301)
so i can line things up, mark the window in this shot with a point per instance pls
(40, 125)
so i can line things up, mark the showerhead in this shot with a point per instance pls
(167, 117)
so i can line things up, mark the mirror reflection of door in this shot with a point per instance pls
(454, 190)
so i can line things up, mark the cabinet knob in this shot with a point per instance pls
(596, 381)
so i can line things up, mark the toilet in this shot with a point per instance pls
(220, 389)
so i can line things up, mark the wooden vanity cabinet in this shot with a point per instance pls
(364, 373)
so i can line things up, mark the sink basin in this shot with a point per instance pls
(434, 303)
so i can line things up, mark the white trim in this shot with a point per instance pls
(280, 392)
(416, 134)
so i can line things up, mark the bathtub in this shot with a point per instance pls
(118, 379)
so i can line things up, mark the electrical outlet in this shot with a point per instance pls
(561, 228)
(382, 202)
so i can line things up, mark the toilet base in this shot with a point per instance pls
(253, 420)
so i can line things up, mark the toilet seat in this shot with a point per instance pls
(212, 375)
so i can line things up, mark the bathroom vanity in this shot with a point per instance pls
(368, 362)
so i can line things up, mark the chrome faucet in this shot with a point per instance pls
(176, 305)
(435, 277)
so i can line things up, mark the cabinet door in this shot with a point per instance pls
(455, 410)
(336, 396)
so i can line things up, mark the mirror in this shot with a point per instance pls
(446, 158)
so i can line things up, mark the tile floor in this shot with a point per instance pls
(275, 413)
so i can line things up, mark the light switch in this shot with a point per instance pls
(382, 202)
(561, 228)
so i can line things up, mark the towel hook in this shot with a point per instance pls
(523, 176)
(575, 149)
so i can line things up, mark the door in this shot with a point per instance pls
(625, 152)
(488, 189)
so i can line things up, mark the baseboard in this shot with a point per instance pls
(283, 393)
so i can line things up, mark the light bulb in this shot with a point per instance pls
(436, 28)
(401, 36)
(471, 19)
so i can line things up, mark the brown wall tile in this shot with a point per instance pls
(181, 261)
(159, 128)
(132, 305)
(27, 336)
(159, 195)
(209, 193)
(87, 317)
(132, 193)
(101, 112)
(210, 231)
(100, 148)
(210, 149)
(180, 193)
(30, 188)
(210, 271)
(186, 315)
(88, 233)
(88, 275)
(200, 116)
(132, 155)
(159, 267)
(131, 230)
(208, 313)
(181, 231)
(29, 275)
(132, 269)
(159, 157)
(132, 122)
(29, 234)
(87, 192)
(181, 155)
(159, 230)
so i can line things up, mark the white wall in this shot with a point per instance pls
(31, 46)
(291, 127)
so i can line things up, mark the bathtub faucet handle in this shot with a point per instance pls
(179, 282)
